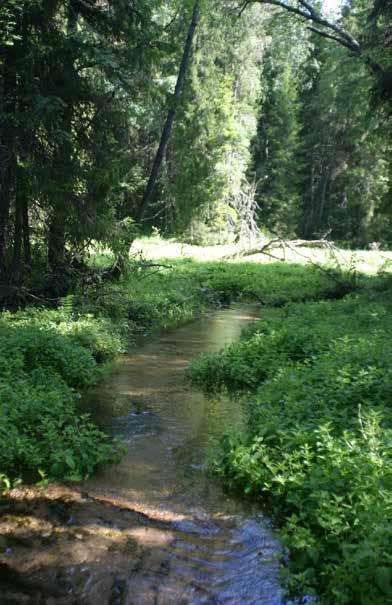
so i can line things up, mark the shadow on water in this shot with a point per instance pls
(154, 529)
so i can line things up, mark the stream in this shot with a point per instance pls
(154, 529)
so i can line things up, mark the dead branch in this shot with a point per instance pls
(306, 11)
(293, 245)
(146, 265)
(274, 243)
(278, 242)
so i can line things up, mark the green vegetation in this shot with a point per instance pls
(273, 127)
(212, 122)
(317, 451)
(48, 356)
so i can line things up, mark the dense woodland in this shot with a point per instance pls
(207, 121)
(260, 110)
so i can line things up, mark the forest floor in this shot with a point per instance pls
(311, 347)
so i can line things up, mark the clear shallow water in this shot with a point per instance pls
(213, 548)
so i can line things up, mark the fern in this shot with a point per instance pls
(66, 305)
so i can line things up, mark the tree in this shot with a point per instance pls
(320, 153)
(167, 129)
(72, 77)
(276, 146)
(344, 149)
(209, 152)
(366, 49)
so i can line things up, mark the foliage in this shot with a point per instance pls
(42, 435)
(321, 152)
(276, 145)
(209, 151)
(41, 431)
(76, 152)
(48, 356)
(71, 153)
(344, 172)
(273, 284)
(317, 448)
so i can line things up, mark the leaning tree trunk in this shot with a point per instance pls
(23, 149)
(167, 129)
(26, 233)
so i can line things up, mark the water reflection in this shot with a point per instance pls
(218, 549)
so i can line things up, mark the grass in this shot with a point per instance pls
(49, 356)
(366, 261)
(317, 452)
(316, 373)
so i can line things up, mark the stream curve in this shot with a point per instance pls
(155, 529)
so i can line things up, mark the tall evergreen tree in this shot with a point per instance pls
(209, 153)
(276, 145)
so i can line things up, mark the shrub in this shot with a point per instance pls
(46, 349)
(295, 333)
(41, 433)
(318, 449)
(44, 356)
(48, 355)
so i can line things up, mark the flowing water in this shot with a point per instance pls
(156, 529)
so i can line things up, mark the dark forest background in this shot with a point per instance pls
(272, 117)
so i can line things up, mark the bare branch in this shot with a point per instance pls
(306, 11)
(243, 6)
(308, 8)
(325, 34)
(291, 9)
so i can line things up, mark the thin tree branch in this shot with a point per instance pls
(325, 34)
(243, 7)
(306, 11)
(308, 8)
(167, 129)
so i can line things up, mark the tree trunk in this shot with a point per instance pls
(7, 153)
(23, 150)
(56, 242)
(26, 233)
(17, 251)
(322, 197)
(167, 129)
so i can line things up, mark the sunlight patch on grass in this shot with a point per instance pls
(366, 261)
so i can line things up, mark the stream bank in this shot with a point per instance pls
(155, 528)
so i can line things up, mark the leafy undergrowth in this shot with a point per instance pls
(318, 449)
(273, 284)
(49, 356)
(46, 358)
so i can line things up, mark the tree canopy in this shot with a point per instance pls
(295, 116)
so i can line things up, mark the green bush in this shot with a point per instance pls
(318, 449)
(103, 336)
(41, 433)
(274, 284)
(45, 357)
(49, 350)
(48, 355)
(286, 336)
